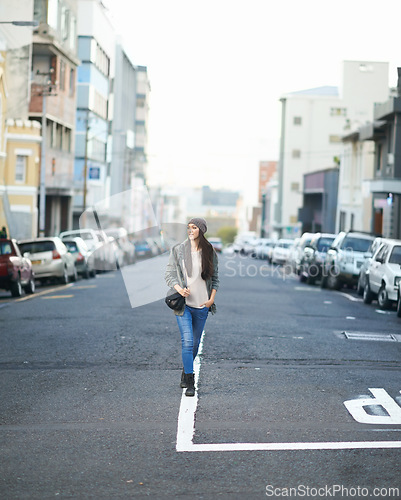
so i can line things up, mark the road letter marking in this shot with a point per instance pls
(356, 407)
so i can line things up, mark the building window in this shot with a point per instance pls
(379, 157)
(52, 13)
(338, 111)
(296, 153)
(20, 169)
(343, 216)
(62, 75)
(72, 82)
(334, 139)
(64, 23)
(297, 120)
(352, 222)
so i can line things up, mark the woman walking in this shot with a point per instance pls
(192, 271)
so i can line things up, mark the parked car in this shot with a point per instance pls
(16, 272)
(245, 243)
(50, 259)
(293, 254)
(281, 251)
(365, 265)
(399, 300)
(314, 256)
(143, 250)
(298, 251)
(77, 247)
(120, 236)
(97, 243)
(384, 275)
(261, 248)
(344, 259)
(216, 243)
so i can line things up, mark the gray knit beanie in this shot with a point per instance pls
(200, 223)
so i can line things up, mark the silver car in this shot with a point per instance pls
(50, 259)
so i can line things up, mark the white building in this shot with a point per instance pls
(367, 84)
(96, 50)
(313, 124)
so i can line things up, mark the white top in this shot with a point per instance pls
(195, 283)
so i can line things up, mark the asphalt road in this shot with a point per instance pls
(90, 395)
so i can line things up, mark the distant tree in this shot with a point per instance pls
(227, 234)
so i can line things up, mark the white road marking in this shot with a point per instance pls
(381, 398)
(307, 289)
(186, 430)
(350, 297)
(350, 317)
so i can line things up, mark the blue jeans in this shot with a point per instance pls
(191, 325)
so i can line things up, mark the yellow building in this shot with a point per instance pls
(22, 167)
(19, 170)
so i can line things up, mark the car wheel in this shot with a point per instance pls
(359, 286)
(31, 287)
(382, 298)
(399, 306)
(86, 273)
(310, 279)
(93, 273)
(64, 278)
(367, 294)
(16, 288)
(333, 281)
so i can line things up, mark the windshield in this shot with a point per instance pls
(395, 257)
(37, 247)
(356, 244)
(71, 245)
(324, 244)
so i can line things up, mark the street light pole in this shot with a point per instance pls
(86, 161)
(42, 185)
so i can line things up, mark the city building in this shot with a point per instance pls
(141, 121)
(266, 172)
(385, 183)
(96, 51)
(318, 211)
(312, 127)
(20, 138)
(123, 140)
(365, 83)
(53, 103)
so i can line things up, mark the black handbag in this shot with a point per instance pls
(174, 300)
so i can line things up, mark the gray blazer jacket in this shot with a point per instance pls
(174, 274)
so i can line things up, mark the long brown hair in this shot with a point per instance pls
(207, 257)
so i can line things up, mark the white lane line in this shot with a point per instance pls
(186, 415)
(342, 445)
(350, 297)
(186, 430)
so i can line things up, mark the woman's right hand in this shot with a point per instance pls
(183, 291)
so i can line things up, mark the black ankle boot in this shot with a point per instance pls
(183, 383)
(190, 378)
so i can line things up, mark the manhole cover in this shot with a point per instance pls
(377, 337)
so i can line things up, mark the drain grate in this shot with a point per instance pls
(376, 337)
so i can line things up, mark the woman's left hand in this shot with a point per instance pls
(208, 303)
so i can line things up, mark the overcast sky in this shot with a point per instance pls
(218, 68)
